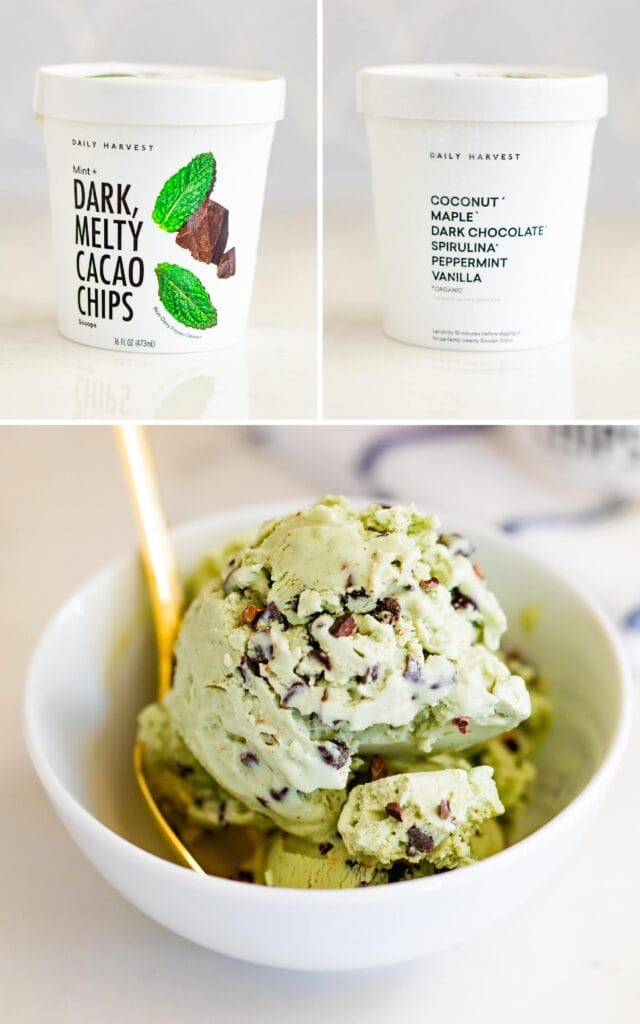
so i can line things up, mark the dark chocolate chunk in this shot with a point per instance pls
(294, 690)
(279, 794)
(325, 696)
(394, 810)
(356, 593)
(412, 671)
(335, 753)
(371, 674)
(249, 759)
(260, 648)
(321, 656)
(378, 768)
(511, 742)
(227, 263)
(244, 876)
(250, 614)
(345, 625)
(387, 610)
(460, 600)
(419, 841)
(444, 810)
(430, 584)
(271, 615)
(206, 232)
(324, 848)
(398, 871)
(184, 770)
(249, 667)
(462, 724)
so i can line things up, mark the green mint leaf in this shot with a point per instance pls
(184, 296)
(182, 194)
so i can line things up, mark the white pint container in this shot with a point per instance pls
(156, 181)
(480, 177)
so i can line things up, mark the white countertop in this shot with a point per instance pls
(594, 375)
(72, 950)
(271, 376)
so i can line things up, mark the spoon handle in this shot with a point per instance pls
(158, 557)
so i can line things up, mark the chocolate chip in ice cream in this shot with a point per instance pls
(206, 232)
(419, 841)
(394, 810)
(378, 768)
(335, 753)
(430, 584)
(249, 759)
(444, 809)
(346, 625)
(387, 610)
(412, 670)
(250, 614)
(462, 724)
(295, 690)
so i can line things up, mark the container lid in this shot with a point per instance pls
(482, 92)
(158, 94)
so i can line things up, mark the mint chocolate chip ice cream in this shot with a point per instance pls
(338, 641)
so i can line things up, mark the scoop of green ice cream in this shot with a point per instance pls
(294, 863)
(420, 816)
(338, 631)
(174, 773)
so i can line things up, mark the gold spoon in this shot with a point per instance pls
(165, 591)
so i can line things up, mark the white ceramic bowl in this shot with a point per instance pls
(93, 669)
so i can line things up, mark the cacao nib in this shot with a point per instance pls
(261, 649)
(398, 871)
(378, 768)
(250, 614)
(345, 625)
(270, 615)
(325, 696)
(349, 582)
(430, 584)
(387, 610)
(244, 876)
(394, 810)
(371, 674)
(227, 263)
(444, 810)
(511, 743)
(325, 848)
(335, 753)
(419, 841)
(412, 670)
(279, 794)
(462, 724)
(478, 571)
(249, 759)
(319, 655)
(459, 600)
(206, 232)
(249, 667)
(295, 689)
(261, 800)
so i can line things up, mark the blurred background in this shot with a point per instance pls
(274, 374)
(367, 377)
(276, 36)
(602, 34)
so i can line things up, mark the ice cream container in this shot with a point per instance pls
(156, 180)
(480, 177)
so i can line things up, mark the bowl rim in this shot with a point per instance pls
(167, 870)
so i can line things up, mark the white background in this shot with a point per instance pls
(603, 34)
(279, 35)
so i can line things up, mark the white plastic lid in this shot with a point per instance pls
(482, 92)
(158, 94)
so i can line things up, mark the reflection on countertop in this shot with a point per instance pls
(593, 375)
(271, 376)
